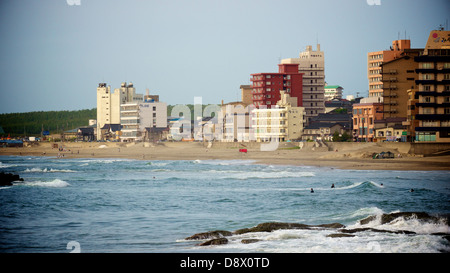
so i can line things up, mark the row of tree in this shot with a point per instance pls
(33, 123)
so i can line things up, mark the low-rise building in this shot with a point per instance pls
(365, 114)
(281, 123)
(333, 92)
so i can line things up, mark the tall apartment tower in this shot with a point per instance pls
(376, 59)
(108, 104)
(312, 66)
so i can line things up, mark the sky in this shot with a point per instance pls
(53, 53)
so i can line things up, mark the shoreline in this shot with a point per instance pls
(356, 156)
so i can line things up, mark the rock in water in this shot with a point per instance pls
(219, 241)
(389, 217)
(216, 234)
(6, 179)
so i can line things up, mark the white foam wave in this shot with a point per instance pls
(224, 162)
(244, 175)
(57, 183)
(46, 170)
(6, 165)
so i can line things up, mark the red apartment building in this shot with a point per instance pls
(267, 86)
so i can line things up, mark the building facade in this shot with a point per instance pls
(364, 117)
(267, 86)
(398, 76)
(376, 59)
(312, 66)
(433, 95)
(137, 118)
(281, 123)
(333, 92)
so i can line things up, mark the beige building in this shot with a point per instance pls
(246, 93)
(281, 123)
(108, 104)
(398, 76)
(312, 65)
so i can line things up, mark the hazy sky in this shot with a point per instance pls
(54, 53)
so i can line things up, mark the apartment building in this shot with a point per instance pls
(267, 86)
(333, 92)
(398, 76)
(376, 59)
(365, 114)
(281, 123)
(236, 123)
(312, 65)
(138, 118)
(433, 95)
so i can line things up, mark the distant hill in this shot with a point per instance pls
(32, 123)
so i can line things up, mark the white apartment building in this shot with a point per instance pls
(281, 123)
(108, 105)
(137, 118)
(312, 65)
(333, 92)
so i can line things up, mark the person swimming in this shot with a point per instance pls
(312, 191)
(332, 186)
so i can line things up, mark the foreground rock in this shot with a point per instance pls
(216, 234)
(271, 226)
(6, 179)
(389, 217)
(219, 241)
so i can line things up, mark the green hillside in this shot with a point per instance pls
(31, 123)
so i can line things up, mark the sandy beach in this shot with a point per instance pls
(356, 156)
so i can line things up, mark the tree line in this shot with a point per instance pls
(33, 123)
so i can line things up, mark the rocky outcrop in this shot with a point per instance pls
(6, 179)
(271, 226)
(217, 237)
(219, 241)
(216, 234)
(389, 217)
(376, 230)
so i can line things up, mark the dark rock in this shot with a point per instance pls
(249, 241)
(387, 218)
(339, 235)
(332, 225)
(6, 179)
(219, 241)
(271, 226)
(209, 235)
(376, 230)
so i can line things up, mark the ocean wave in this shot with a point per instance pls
(46, 170)
(224, 162)
(6, 165)
(57, 183)
(245, 175)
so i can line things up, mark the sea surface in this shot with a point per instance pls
(119, 205)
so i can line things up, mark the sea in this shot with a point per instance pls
(111, 205)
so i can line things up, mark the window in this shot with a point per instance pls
(427, 88)
(427, 99)
(446, 76)
(427, 76)
(447, 111)
(154, 108)
(427, 65)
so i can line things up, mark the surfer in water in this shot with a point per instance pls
(312, 191)
(332, 186)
